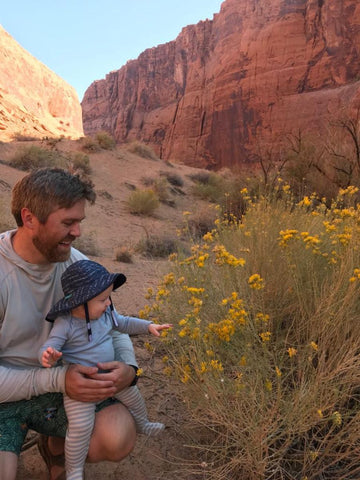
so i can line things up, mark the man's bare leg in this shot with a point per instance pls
(113, 438)
(114, 434)
(8, 465)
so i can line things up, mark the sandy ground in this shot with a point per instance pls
(108, 226)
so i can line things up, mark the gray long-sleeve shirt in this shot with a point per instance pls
(27, 292)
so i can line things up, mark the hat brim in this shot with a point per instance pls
(85, 294)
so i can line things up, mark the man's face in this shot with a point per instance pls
(54, 238)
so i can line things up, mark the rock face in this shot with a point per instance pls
(34, 101)
(257, 71)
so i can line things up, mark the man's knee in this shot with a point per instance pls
(114, 435)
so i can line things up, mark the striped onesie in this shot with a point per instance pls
(69, 335)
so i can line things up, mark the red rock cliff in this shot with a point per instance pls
(34, 101)
(256, 71)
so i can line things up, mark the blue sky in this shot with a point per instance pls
(83, 40)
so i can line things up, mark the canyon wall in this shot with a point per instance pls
(256, 72)
(34, 101)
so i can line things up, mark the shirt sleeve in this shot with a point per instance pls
(19, 384)
(59, 334)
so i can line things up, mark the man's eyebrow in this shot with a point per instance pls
(74, 219)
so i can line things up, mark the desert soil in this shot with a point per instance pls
(109, 225)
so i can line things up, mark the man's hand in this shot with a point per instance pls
(120, 374)
(86, 385)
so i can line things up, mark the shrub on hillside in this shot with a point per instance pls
(173, 178)
(142, 150)
(87, 244)
(80, 162)
(157, 246)
(142, 202)
(105, 140)
(123, 254)
(34, 157)
(90, 145)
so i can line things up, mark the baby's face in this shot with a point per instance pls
(99, 304)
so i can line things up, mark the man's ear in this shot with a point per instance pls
(28, 218)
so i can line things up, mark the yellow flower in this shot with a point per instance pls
(351, 190)
(336, 418)
(223, 257)
(216, 365)
(184, 332)
(168, 371)
(149, 347)
(195, 290)
(263, 317)
(320, 413)
(286, 236)
(314, 346)
(243, 361)
(256, 282)
(286, 188)
(208, 237)
(265, 336)
(203, 367)
(268, 385)
(186, 374)
(169, 279)
(165, 359)
(278, 372)
(172, 257)
(291, 351)
(139, 372)
(356, 275)
(305, 202)
(149, 294)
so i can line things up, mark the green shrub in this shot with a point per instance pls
(90, 145)
(142, 150)
(265, 345)
(157, 247)
(105, 140)
(21, 137)
(143, 202)
(87, 244)
(173, 178)
(34, 157)
(123, 254)
(80, 162)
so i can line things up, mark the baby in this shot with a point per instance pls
(85, 318)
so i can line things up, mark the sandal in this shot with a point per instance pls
(50, 459)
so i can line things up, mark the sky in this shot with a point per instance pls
(83, 40)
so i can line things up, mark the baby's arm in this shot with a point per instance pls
(49, 353)
(50, 356)
(155, 328)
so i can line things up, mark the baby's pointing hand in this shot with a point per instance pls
(155, 329)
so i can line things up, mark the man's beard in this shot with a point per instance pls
(52, 252)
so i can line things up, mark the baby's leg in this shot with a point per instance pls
(81, 417)
(132, 399)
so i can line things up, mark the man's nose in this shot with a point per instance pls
(75, 230)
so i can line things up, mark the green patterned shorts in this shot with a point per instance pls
(44, 414)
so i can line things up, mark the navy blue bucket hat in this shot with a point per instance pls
(82, 281)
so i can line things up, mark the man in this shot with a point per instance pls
(49, 206)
